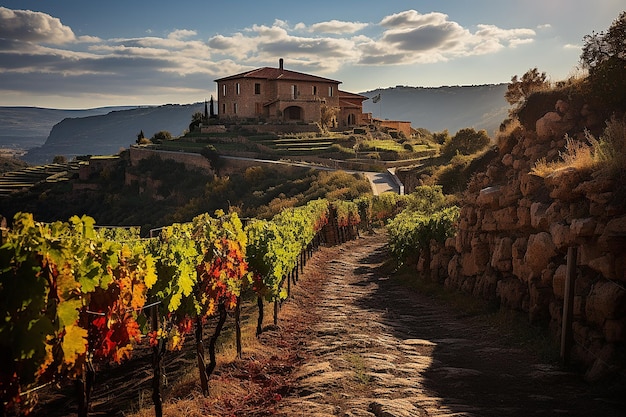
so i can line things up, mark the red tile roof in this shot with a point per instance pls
(267, 73)
(347, 94)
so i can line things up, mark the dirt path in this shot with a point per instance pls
(366, 346)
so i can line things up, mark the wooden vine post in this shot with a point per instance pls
(568, 305)
(157, 365)
(204, 379)
(238, 327)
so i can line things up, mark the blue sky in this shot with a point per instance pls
(81, 54)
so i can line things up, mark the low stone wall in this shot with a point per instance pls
(513, 237)
(191, 160)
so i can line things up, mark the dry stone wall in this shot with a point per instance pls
(514, 232)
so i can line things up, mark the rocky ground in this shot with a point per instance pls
(363, 345)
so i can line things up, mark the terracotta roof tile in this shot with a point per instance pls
(267, 73)
(347, 94)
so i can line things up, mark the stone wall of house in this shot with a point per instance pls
(514, 232)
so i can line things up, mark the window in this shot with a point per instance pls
(314, 90)
(257, 88)
(238, 88)
(235, 108)
(224, 108)
(294, 91)
(224, 90)
(330, 91)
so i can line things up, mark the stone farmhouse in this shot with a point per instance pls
(277, 95)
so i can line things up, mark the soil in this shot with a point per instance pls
(353, 341)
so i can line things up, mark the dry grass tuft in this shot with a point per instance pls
(606, 156)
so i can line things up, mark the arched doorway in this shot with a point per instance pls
(293, 113)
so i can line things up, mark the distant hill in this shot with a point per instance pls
(105, 134)
(28, 127)
(48, 132)
(436, 109)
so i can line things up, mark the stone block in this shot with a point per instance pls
(547, 276)
(489, 222)
(558, 281)
(510, 196)
(502, 256)
(538, 218)
(583, 227)
(615, 330)
(468, 265)
(453, 267)
(587, 252)
(605, 265)
(561, 235)
(540, 250)
(506, 219)
(523, 217)
(605, 301)
(579, 307)
(529, 184)
(562, 183)
(489, 197)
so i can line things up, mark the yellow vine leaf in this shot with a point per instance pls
(74, 343)
(150, 272)
(67, 312)
(126, 252)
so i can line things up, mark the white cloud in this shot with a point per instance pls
(29, 26)
(39, 45)
(182, 34)
(337, 27)
(413, 19)
(411, 37)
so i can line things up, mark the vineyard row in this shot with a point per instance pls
(74, 296)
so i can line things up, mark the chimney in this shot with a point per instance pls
(280, 64)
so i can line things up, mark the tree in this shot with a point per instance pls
(328, 117)
(602, 47)
(466, 142)
(441, 137)
(196, 120)
(518, 90)
(216, 161)
(59, 159)
(141, 138)
(604, 55)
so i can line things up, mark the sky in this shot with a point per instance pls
(76, 54)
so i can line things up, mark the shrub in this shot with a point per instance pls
(519, 90)
(466, 142)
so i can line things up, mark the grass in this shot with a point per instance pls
(605, 156)
(383, 145)
(357, 364)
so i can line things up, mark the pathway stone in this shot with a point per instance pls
(381, 350)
